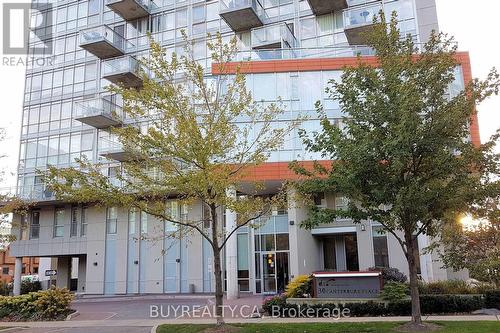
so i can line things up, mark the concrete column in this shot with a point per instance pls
(63, 272)
(82, 273)
(365, 245)
(231, 252)
(18, 267)
(340, 253)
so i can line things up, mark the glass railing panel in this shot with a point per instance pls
(361, 15)
(272, 34)
(97, 106)
(303, 53)
(126, 64)
(228, 5)
(104, 33)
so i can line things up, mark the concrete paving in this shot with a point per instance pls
(132, 308)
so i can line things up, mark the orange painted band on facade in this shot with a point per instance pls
(307, 65)
(272, 171)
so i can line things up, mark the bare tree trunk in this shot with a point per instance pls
(219, 291)
(412, 257)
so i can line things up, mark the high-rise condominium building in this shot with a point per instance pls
(294, 47)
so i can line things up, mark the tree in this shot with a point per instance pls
(476, 247)
(194, 139)
(403, 157)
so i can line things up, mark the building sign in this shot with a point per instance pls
(50, 272)
(347, 285)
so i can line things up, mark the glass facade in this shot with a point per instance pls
(380, 250)
(52, 135)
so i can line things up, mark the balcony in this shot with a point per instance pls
(321, 7)
(278, 36)
(358, 22)
(123, 71)
(113, 150)
(99, 113)
(130, 9)
(303, 53)
(103, 42)
(242, 15)
(31, 193)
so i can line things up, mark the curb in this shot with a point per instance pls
(72, 315)
(154, 328)
(12, 329)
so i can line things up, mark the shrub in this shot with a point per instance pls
(50, 304)
(447, 287)
(299, 287)
(440, 304)
(431, 304)
(269, 302)
(492, 299)
(53, 303)
(30, 286)
(390, 274)
(366, 309)
(394, 291)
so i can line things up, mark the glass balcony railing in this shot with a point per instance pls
(358, 21)
(99, 113)
(123, 70)
(112, 149)
(242, 15)
(303, 53)
(104, 42)
(36, 192)
(273, 36)
(131, 9)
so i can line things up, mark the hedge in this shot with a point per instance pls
(492, 299)
(52, 304)
(430, 304)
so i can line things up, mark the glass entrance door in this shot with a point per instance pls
(275, 273)
(269, 273)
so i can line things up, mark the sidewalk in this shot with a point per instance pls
(119, 298)
(155, 322)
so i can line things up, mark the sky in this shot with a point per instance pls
(473, 25)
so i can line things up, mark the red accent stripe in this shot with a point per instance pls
(280, 170)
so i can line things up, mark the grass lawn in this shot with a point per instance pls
(383, 327)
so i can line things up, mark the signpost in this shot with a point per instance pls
(51, 273)
(342, 285)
